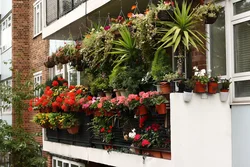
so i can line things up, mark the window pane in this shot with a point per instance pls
(59, 163)
(64, 6)
(242, 47)
(218, 46)
(54, 163)
(65, 165)
(73, 78)
(241, 6)
(72, 165)
(41, 17)
(242, 88)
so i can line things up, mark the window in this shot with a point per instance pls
(9, 21)
(6, 108)
(37, 82)
(37, 17)
(217, 48)
(58, 162)
(4, 25)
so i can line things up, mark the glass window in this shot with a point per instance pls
(242, 88)
(38, 17)
(59, 163)
(241, 6)
(218, 46)
(37, 82)
(73, 78)
(242, 47)
(72, 165)
(65, 164)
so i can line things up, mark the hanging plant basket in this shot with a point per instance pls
(211, 20)
(50, 63)
(73, 130)
(165, 15)
(63, 59)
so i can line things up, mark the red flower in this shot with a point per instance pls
(109, 131)
(65, 84)
(137, 98)
(155, 127)
(71, 87)
(145, 143)
(64, 108)
(102, 130)
(79, 91)
(30, 109)
(110, 127)
(55, 83)
(137, 137)
(59, 78)
(148, 128)
(31, 102)
(89, 97)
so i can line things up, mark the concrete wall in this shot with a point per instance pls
(241, 135)
(200, 137)
(200, 132)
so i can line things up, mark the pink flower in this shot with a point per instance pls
(84, 106)
(121, 100)
(106, 28)
(113, 100)
(137, 137)
(99, 105)
(145, 143)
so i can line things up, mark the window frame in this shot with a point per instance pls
(35, 76)
(66, 161)
(37, 21)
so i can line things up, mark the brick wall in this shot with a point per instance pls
(29, 53)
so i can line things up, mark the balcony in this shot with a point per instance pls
(65, 18)
(200, 137)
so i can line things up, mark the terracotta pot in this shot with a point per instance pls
(166, 155)
(212, 87)
(165, 87)
(161, 109)
(156, 154)
(73, 130)
(142, 110)
(200, 88)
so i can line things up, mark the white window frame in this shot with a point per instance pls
(37, 20)
(66, 161)
(37, 81)
(243, 76)
(71, 70)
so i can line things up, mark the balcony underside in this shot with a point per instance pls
(76, 22)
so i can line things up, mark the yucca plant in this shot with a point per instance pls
(125, 48)
(182, 33)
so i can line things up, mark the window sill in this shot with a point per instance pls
(36, 35)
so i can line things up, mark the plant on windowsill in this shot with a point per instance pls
(201, 79)
(224, 91)
(213, 85)
(188, 90)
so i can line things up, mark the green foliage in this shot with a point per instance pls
(160, 99)
(207, 10)
(99, 84)
(160, 65)
(116, 77)
(189, 85)
(68, 120)
(225, 84)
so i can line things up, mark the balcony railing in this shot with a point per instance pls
(58, 8)
(86, 138)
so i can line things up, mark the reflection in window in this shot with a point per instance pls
(241, 6)
(218, 46)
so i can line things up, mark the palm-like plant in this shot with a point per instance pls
(125, 48)
(182, 32)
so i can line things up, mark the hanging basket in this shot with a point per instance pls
(211, 20)
(165, 15)
(50, 63)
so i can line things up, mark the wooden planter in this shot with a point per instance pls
(73, 130)
(161, 109)
(200, 88)
(165, 87)
(212, 87)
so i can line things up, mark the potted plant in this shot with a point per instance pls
(116, 79)
(165, 10)
(42, 119)
(99, 85)
(182, 33)
(70, 122)
(201, 79)
(167, 79)
(208, 12)
(213, 85)
(50, 63)
(160, 104)
(160, 66)
(188, 90)
(224, 91)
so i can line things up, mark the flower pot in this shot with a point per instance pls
(142, 110)
(224, 96)
(166, 155)
(161, 109)
(73, 130)
(156, 154)
(165, 87)
(124, 92)
(165, 15)
(200, 88)
(158, 88)
(212, 87)
(117, 92)
(187, 96)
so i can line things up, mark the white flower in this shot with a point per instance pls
(132, 134)
(196, 73)
(202, 72)
(195, 68)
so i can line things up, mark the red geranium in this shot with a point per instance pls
(102, 130)
(137, 137)
(145, 143)
(55, 83)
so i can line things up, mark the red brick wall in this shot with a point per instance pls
(29, 53)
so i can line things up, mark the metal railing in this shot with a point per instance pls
(58, 8)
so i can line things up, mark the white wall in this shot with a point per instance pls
(200, 132)
(5, 7)
(200, 137)
(241, 135)
(5, 68)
